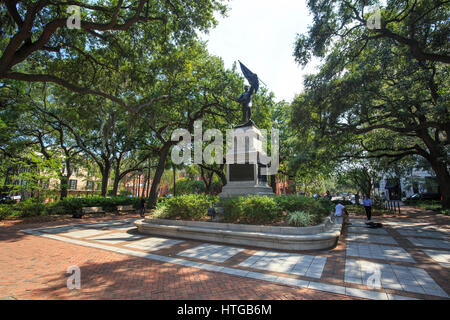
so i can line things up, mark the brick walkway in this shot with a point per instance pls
(116, 263)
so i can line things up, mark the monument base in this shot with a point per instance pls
(245, 177)
(244, 188)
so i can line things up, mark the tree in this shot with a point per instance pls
(36, 33)
(419, 26)
(383, 102)
(196, 85)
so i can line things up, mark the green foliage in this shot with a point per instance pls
(376, 95)
(264, 209)
(8, 210)
(188, 186)
(71, 205)
(273, 208)
(291, 203)
(424, 204)
(189, 207)
(32, 207)
(303, 219)
(254, 209)
(161, 212)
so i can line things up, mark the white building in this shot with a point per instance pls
(415, 181)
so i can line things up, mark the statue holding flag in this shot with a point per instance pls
(246, 97)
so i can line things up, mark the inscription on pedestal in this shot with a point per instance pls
(242, 172)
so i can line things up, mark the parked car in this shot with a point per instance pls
(415, 196)
(425, 196)
(430, 196)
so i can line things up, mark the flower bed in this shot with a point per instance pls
(285, 210)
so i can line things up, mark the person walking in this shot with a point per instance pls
(367, 202)
(142, 207)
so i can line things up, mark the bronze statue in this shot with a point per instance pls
(246, 97)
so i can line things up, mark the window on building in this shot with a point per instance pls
(89, 185)
(72, 184)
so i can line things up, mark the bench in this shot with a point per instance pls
(87, 210)
(125, 208)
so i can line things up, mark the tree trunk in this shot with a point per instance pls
(116, 182)
(64, 181)
(443, 178)
(174, 180)
(144, 181)
(105, 177)
(148, 182)
(273, 183)
(158, 174)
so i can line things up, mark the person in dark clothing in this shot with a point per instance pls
(142, 207)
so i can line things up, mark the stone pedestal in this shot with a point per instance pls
(243, 161)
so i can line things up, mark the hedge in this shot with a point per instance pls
(70, 205)
(188, 207)
(291, 203)
(253, 209)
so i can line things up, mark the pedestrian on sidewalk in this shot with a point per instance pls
(367, 202)
(142, 207)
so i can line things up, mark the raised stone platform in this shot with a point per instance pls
(323, 236)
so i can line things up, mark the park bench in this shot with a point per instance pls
(127, 208)
(87, 210)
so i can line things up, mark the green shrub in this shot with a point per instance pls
(72, 205)
(254, 209)
(291, 203)
(190, 207)
(300, 219)
(161, 212)
(8, 210)
(188, 186)
(30, 208)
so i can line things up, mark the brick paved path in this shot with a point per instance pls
(409, 258)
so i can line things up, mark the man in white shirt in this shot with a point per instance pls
(340, 209)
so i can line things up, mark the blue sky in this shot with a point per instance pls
(261, 34)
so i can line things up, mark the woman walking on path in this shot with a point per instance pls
(368, 207)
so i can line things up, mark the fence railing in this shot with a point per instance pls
(392, 206)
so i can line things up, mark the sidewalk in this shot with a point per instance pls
(408, 259)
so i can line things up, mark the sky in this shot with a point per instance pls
(261, 34)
